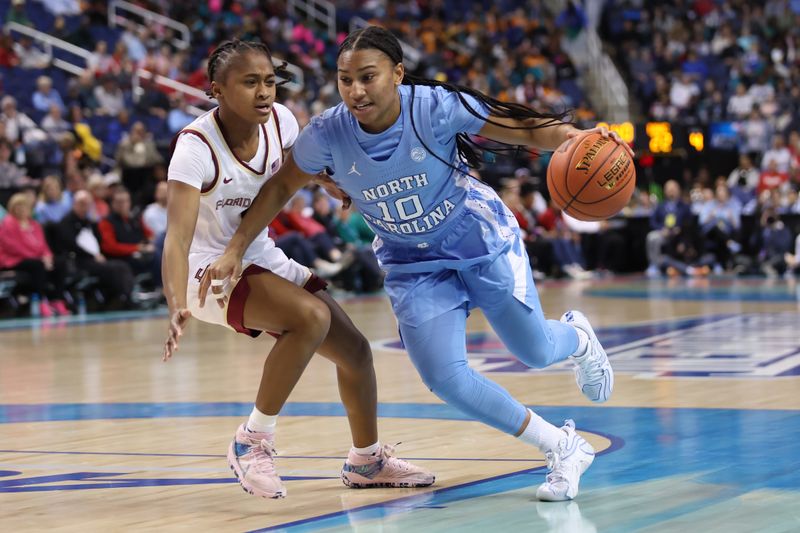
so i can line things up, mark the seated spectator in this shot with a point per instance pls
(45, 96)
(16, 13)
(683, 253)
(745, 176)
(54, 124)
(720, 221)
(30, 56)
(137, 157)
(76, 241)
(778, 153)
(740, 104)
(24, 250)
(793, 259)
(771, 178)
(100, 63)
(178, 116)
(294, 218)
(775, 242)
(350, 231)
(19, 127)
(99, 191)
(155, 214)
(12, 176)
(125, 237)
(109, 97)
(666, 221)
(8, 57)
(54, 203)
(566, 243)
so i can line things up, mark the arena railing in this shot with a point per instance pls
(603, 83)
(48, 43)
(320, 11)
(152, 20)
(194, 94)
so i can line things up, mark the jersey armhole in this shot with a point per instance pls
(205, 189)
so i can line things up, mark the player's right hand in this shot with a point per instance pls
(228, 265)
(324, 181)
(176, 324)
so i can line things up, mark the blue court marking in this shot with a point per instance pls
(12, 324)
(724, 289)
(100, 480)
(713, 446)
(217, 456)
(94, 318)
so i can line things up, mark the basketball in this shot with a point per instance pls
(591, 177)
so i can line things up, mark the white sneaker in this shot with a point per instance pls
(593, 371)
(566, 464)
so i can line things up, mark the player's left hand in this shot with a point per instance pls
(324, 181)
(228, 265)
(613, 135)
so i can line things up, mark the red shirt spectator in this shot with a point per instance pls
(771, 178)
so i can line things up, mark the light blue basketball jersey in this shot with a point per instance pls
(428, 217)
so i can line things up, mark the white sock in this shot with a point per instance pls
(541, 433)
(583, 343)
(261, 423)
(369, 450)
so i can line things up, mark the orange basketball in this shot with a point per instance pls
(591, 177)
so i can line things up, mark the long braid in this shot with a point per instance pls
(375, 37)
(227, 50)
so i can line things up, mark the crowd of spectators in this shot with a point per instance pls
(89, 153)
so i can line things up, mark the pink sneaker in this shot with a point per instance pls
(383, 469)
(252, 458)
(60, 307)
(45, 311)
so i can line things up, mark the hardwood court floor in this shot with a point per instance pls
(96, 433)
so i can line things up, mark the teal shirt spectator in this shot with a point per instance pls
(353, 229)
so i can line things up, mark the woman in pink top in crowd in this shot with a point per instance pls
(23, 249)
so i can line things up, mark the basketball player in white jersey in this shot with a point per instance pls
(219, 164)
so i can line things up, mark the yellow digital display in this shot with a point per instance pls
(660, 134)
(624, 130)
(697, 140)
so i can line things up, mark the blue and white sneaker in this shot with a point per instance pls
(593, 371)
(565, 465)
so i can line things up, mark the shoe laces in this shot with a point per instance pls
(592, 365)
(557, 468)
(264, 456)
(388, 455)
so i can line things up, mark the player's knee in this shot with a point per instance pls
(362, 352)
(446, 383)
(538, 355)
(314, 318)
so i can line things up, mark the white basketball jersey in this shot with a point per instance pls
(236, 183)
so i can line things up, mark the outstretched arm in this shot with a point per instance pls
(546, 138)
(182, 208)
(269, 201)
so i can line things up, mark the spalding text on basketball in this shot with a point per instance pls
(591, 153)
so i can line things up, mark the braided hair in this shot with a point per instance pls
(227, 50)
(375, 37)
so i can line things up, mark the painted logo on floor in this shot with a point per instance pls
(747, 345)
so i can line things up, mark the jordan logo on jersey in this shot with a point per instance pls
(353, 170)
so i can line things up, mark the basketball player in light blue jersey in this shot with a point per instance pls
(398, 147)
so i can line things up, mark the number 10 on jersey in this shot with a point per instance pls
(407, 208)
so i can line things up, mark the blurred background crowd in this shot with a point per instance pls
(84, 147)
